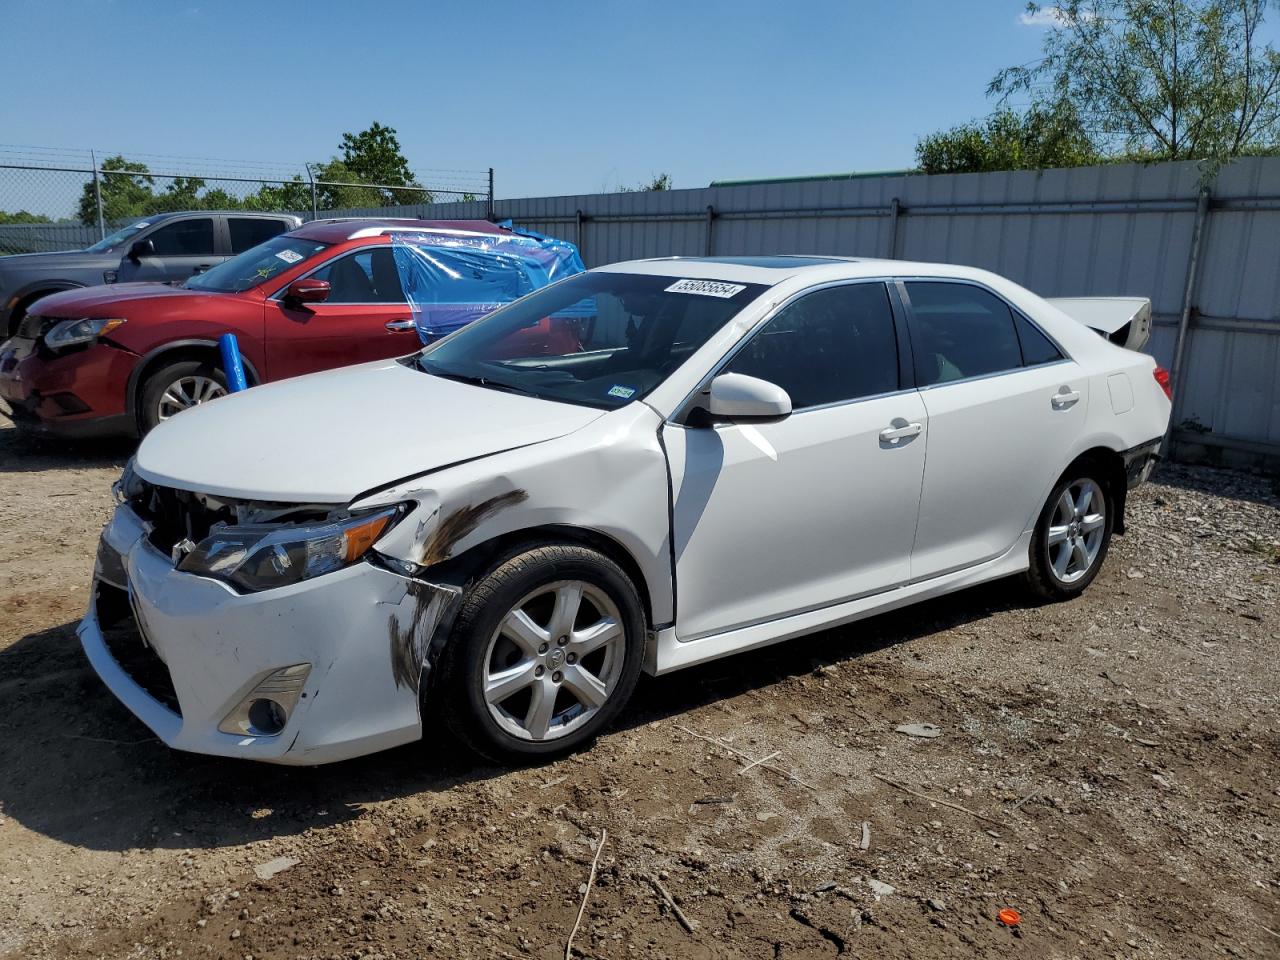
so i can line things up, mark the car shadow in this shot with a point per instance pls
(1220, 482)
(22, 452)
(79, 768)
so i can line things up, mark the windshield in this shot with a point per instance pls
(119, 238)
(598, 339)
(256, 265)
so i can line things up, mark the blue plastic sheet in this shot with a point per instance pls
(453, 277)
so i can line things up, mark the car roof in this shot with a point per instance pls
(352, 228)
(772, 270)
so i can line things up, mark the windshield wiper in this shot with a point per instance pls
(479, 381)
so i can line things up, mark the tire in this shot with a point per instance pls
(1068, 546)
(525, 661)
(182, 378)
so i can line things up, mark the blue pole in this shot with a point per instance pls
(231, 362)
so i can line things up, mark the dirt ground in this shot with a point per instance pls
(1107, 767)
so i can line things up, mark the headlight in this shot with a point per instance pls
(263, 556)
(69, 333)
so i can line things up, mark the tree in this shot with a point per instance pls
(373, 156)
(1035, 140)
(1158, 79)
(126, 189)
(22, 216)
(657, 181)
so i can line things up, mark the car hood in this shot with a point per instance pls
(102, 300)
(327, 437)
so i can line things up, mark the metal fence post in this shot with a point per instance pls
(315, 212)
(895, 210)
(577, 231)
(1178, 365)
(711, 219)
(490, 205)
(97, 196)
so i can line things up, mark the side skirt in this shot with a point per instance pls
(667, 653)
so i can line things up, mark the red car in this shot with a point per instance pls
(121, 358)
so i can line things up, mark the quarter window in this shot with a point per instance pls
(186, 238)
(960, 331)
(369, 276)
(830, 345)
(1036, 347)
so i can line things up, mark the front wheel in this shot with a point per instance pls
(545, 652)
(177, 387)
(1071, 536)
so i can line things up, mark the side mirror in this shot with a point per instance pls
(308, 290)
(140, 249)
(735, 396)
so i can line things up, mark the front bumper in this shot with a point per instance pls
(77, 394)
(364, 630)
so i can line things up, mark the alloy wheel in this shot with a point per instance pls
(187, 392)
(1076, 530)
(554, 660)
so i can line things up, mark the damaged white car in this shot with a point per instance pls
(642, 467)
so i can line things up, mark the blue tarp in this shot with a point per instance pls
(453, 277)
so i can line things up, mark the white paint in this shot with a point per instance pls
(777, 528)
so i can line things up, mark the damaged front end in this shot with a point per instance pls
(263, 630)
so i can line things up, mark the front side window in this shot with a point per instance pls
(597, 339)
(828, 346)
(248, 232)
(369, 276)
(960, 331)
(257, 266)
(186, 238)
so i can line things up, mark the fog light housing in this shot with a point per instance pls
(265, 710)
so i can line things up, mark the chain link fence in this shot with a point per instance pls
(68, 200)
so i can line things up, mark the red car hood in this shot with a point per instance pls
(104, 301)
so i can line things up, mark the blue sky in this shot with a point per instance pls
(560, 96)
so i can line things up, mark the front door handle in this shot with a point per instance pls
(1065, 398)
(899, 430)
(398, 325)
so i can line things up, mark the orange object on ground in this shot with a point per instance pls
(1009, 917)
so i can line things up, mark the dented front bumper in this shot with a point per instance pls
(365, 632)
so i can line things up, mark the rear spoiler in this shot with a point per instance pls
(1125, 321)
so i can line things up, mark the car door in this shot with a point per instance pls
(183, 248)
(774, 518)
(364, 318)
(1004, 404)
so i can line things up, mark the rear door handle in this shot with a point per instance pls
(397, 325)
(1064, 398)
(900, 431)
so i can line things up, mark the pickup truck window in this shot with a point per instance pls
(248, 232)
(186, 238)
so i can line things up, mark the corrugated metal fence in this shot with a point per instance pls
(1107, 231)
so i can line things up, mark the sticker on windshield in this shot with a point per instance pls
(289, 256)
(144, 223)
(621, 392)
(707, 288)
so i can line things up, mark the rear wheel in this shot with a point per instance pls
(1072, 535)
(545, 651)
(177, 387)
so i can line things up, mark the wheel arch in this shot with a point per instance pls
(478, 559)
(173, 352)
(1114, 476)
(24, 298)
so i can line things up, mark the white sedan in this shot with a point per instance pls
(646, 466)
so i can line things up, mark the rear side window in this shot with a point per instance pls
(186, 238)
(826, 347)
(247, 232)
(1036, 347)
(960, 331)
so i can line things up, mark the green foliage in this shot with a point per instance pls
(22, 216)
(1038, 139)
(126, 190)
(1159, 79)
(658, 181)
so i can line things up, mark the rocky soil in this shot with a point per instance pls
(1107, 767)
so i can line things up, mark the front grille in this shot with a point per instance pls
(130, 649)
